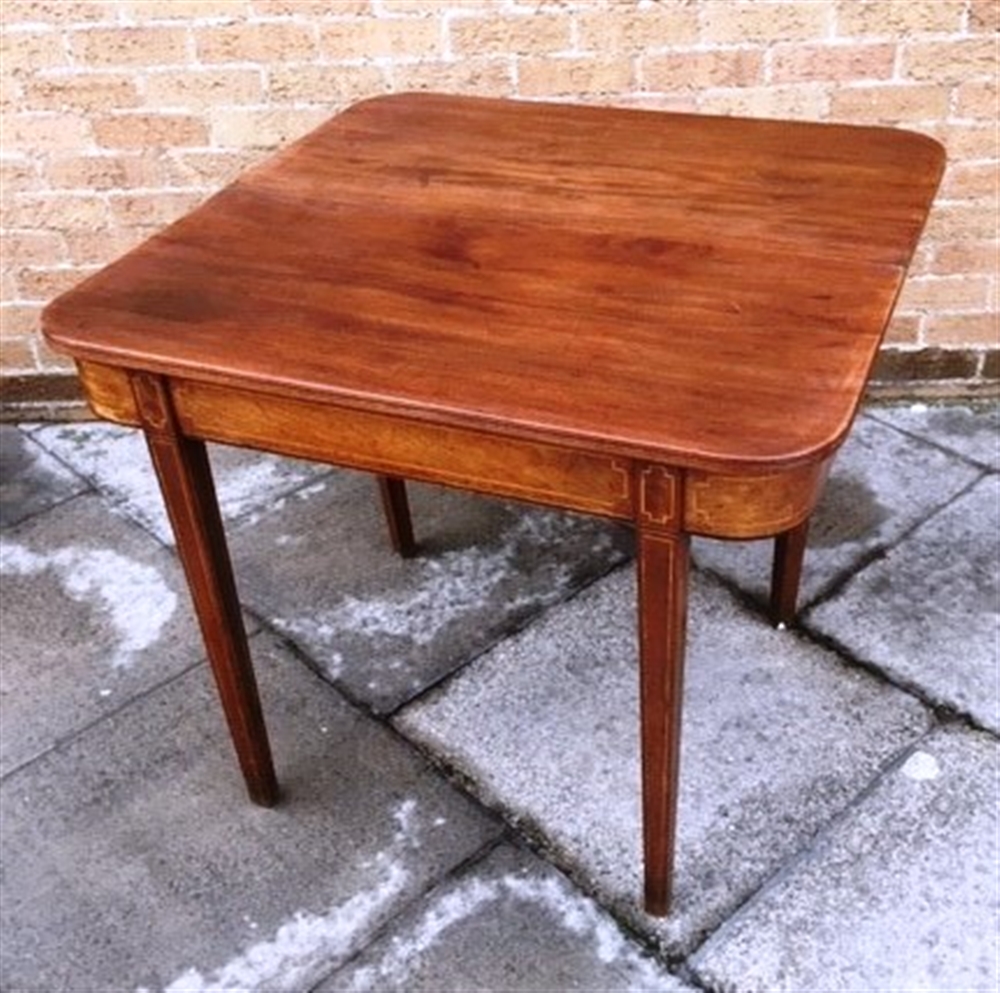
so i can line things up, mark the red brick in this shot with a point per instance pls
(25, 248)
(16, 354)
(324, 84)
(150, 130)
(151, 209)
(85, 92)
(904, 329)
(971, 181)
(18, 176)
(193, 89)
(965, 141)
(699, 70)
(12, 98)
(836, 63)
(576, 76)
(100, 247)
(963, 329)
(266, 128)
(677, 103)
(746, 21)
(920, 264)
(23, 53)
(42, 284)
(310, 8)
(56, 212)
(106, 172)
(129, 46)
(206, 167)
(272, 41)
(984, 15)
(384, 38)
(485, 77)
(59, 12)
(19, 320)
(44, 132)
(953, 61)
(889, 103)
(622, 28)
(8, 287)
(959, 222)
(422, 8)
(943, 293)
(898, 19)
(796, 102)
(539, 34)
(184, 10)
(978, 98)
(962, 257)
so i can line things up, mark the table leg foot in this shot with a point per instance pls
(185, 477)
(663, 562)
(396, 507)
(786, 572)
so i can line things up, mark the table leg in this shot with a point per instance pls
(789, 551)
(185, 477)
(397, 515)
(663, 577)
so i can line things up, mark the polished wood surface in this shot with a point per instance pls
(708, 291)
(789, 552)
(664, 319)
(396, 506)
(185, 476)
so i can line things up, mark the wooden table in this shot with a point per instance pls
(658, 318)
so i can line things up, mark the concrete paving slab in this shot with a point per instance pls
(878, 490)
(508, 922)
(928, 614)
(778, 737)
(902, 894)
(134, 860)
(116, 461)
(95, 611)
(31, 480)
(383, 628)
(973, 431)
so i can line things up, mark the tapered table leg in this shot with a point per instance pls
(663, 578)
(185, 477)
(397, 515)
(789, 551)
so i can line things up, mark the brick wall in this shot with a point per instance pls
(120, 115)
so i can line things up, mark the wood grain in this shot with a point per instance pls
(665, 319)
(701, 291)
(185, 477)
(545, 474)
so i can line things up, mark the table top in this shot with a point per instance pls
(705, 291)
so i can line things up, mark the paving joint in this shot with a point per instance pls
(81, 732)
(939, 446)
(440, 685)
(788, 867)
(943, 712)
(822, 778)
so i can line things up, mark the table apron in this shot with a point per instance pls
(394, 445)
(716, 504)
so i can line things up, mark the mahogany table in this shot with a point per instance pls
(660, 318)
